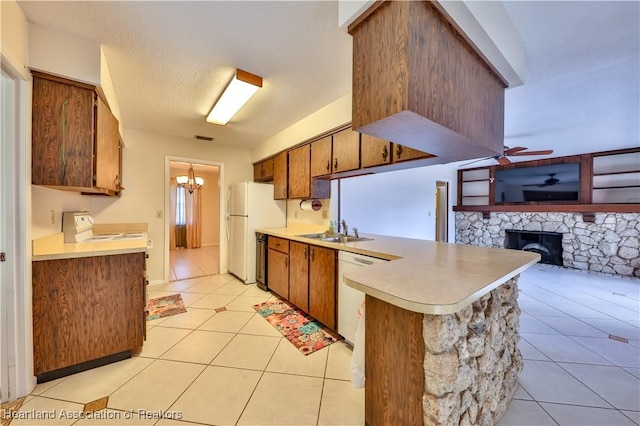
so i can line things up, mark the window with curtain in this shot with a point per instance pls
(181, 206)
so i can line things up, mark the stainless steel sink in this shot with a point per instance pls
(334, 238)
(343, 239)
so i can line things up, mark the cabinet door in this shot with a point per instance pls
(299, 275)
(300, 172)
(346, 151)
(86, 308)
(107, 160)
(280, 178)
(321, 157)
(257, 172)
(322, 285)
(374, 151)
(62, 134)
(278, 273)
(404, 153)
(267, 170)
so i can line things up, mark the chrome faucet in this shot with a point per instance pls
(345, 230)
(355, 232)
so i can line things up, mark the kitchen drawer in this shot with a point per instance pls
(279, 244)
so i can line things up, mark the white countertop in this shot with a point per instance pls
(53, 247)
(425, 276)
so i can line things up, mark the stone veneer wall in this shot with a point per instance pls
(611, 244)
(472, 361)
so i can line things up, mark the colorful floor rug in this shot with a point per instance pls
(165, 306)
(306, 334)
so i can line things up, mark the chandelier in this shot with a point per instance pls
(190, 181)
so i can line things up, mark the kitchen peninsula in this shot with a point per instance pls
(88, 301)
(441, 329)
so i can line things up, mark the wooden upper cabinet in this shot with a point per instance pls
(300, 172)
(404, 153)
(263, 171)
(107, 159)
(346, 151)
(280, 176)
(411, 69)
(374, 151)
(322, 285)
(75, 138)
(321, 157)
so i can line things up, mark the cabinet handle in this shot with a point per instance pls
(335, 164)
(385, 153)
(305, 253)
(398, 151)
(328, 165)
(312, 255)
(286, 262)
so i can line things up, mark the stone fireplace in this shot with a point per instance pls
(610, 244)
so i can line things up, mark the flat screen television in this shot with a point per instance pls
(550, 183)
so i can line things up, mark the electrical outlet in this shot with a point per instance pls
(149, 243)
(53, 217)
(158, 214)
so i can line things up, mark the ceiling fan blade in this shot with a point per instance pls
(544, 152)
(511, 151)
(503, 161)
(474, 161)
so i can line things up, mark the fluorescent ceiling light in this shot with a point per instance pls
(237, 93)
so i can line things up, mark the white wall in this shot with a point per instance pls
(64, 54)
(331, 116)
(296, 216)
(399, 203)
(44, 200)
(14, 36)
(143, 177)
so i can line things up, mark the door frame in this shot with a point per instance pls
(222, 254)
(16, 186)
(442, 212)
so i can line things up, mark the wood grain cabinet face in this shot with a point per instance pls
(374, 151)
(263, 171)
(87, 308)
(322, 285)
(280, 176)
(321, 157)
(300, 172)
(75, 138)
(278, 272)
(346, 151)
(404, 153)
(299, 275)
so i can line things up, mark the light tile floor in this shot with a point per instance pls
(192, 263)
(231, 367)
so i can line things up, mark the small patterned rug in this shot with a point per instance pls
(165, 306)
(306, 334)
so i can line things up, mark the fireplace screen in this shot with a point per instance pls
(547, 244)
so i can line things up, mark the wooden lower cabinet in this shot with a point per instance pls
(306, 276)
(322, 285)
(278, 273)
(299, 275)
(87, 308)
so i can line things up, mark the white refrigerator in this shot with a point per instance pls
(250, 205)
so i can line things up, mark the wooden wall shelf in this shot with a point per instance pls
(563, 208)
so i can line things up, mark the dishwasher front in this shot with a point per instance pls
(350, 299)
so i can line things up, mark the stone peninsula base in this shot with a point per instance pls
(459, 369)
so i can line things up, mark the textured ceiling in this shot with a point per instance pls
(170, 60)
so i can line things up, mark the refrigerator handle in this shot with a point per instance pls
(227, 210)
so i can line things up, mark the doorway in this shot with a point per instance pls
(194, 220)
(442, 211)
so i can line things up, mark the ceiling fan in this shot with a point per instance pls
(552, 180)
(512, 152)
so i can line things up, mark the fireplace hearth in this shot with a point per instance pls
(547, 244)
